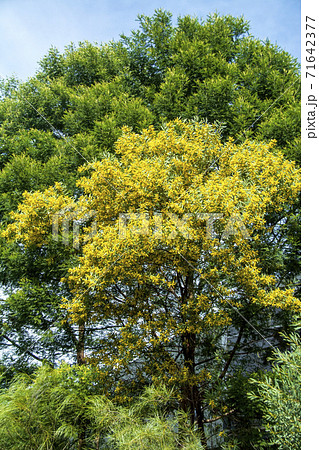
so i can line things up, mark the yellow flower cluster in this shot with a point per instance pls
(155, 249)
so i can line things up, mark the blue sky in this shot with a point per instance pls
(28, 28)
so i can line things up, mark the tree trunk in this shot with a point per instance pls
(80, 358)
(191, 397)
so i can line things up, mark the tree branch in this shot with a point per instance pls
(232, 353)
(214, 419)
(27, 352)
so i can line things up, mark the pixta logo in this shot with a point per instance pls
(75, 218)
(141, 225)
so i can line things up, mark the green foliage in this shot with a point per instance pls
(148, 423)
(241, 427)
(278, 395)
(54, 407)
(29, 412)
